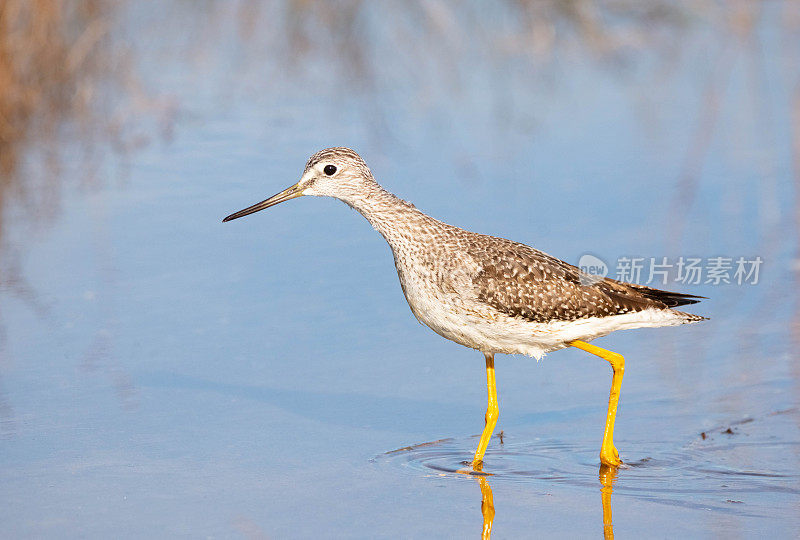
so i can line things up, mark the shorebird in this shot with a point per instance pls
(488, 293)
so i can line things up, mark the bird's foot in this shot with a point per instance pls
(609, 456)
(473, 468)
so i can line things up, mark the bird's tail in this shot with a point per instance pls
(668, 298)
(689, 317)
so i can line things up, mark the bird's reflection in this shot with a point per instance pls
(607, 476)
(487, 507)
(487, 500)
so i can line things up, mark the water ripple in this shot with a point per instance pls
(668, 471)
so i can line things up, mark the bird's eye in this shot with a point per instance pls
(330, 170)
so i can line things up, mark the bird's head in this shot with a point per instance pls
(333, 172)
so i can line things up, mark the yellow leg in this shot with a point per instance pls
(608, 453)
(492, 411)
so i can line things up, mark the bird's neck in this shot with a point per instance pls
(398, 221)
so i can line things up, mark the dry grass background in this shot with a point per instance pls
(67, 84)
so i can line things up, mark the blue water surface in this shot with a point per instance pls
(164, 374)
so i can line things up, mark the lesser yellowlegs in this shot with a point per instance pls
(487, 293)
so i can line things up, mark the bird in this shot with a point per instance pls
(487, 293)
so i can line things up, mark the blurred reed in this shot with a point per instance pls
(68, 93)
(64, 79)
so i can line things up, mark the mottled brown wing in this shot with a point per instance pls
(520, 281)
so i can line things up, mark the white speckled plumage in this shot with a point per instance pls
(484, 292)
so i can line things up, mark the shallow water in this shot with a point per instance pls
(163, 373)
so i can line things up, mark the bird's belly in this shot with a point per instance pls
(491, 332)
(475, 326)
(440, 313)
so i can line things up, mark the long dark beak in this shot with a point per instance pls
(285, 195)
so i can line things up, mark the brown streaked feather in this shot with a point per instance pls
(520, 281)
